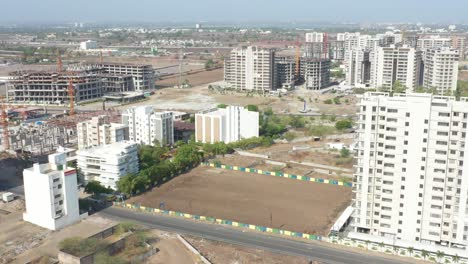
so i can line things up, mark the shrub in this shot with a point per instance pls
(78, 246)
(328, 101)
(344, 124)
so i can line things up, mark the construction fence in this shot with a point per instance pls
(220, 221)
(279, 174)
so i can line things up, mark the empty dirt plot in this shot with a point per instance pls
(262, 200)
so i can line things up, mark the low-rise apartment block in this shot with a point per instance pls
(226, 125)
(100, 131)
(51, 194)
(147, 126)
(107, 164)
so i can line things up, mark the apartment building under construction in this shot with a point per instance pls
(89, 82)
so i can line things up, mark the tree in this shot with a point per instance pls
(344, 152)
(398, 87)
(222, 106)
(125, 184)
(252, 108)
(456, 258)
(94, 187)
(209, 64)
(424, 254)
(381, 245)
(344, 124)
(410, 251)
(439, 255)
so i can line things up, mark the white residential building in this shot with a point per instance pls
(358, 69)
(51, 194)
(250, 69)
(106, 164)
(441, 69)
(393, 64)
(433, 41)
(100, 131)
(411, 171)
(314, 37)
(147, 126)
(89, 44)
(226, 125)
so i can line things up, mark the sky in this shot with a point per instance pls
(337, 11)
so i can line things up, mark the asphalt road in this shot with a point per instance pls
(313, 251)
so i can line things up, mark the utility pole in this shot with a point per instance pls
(180, 66)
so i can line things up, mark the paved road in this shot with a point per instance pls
(314, 251)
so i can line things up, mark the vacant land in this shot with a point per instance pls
(251, 198)
(194, 79)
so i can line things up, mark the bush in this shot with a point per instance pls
(250, 143)
(328, 101)
(252, 108)
(336, 100)
(344, 153)
(78, 246)
(320, 130)
(344, 124)
(289, 136)
(222, 106)
(94, 187)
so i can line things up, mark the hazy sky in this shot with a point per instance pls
(427, 11)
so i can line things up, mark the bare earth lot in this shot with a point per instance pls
(251, 198)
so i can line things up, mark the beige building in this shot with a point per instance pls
(226, 125)
(100, 131)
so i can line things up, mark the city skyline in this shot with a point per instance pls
(344, 11)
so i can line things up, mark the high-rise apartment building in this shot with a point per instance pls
(285, 70)
(100, 131)
(441, 69)
(433, 41)
(314, 37)
(250, 69)
(51, 194)
(226, 125)
(147, 126)
(316, 73)
(358, 73)
(107, 164)
(411, 170)
(397, 63)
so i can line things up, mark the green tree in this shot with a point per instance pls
(336, 100)
(456, 258)
(222, 106)
(125, 184)
(440, 255)
(344, 124)
(424, 254)
(398, 87)
(252, 108)
(344, 152)
(94, 187)
(209, 64)
(410, 251)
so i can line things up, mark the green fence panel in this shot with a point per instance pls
(196, 217)
(293, 176)
(242, 169)
(266, 173)
(275, 230)
(279, 174)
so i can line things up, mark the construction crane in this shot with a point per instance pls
(59, 62)
(71, 97)
(325, 45)
(100, 57)
(4, 124)
(298, 60)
